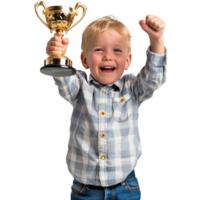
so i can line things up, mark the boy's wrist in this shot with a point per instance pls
(157, 45)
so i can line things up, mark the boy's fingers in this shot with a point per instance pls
(55, 43)
(56, 38)
(65, 41)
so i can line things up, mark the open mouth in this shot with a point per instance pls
(107, 69)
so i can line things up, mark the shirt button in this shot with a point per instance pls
(102, 113)
(102, 135)
(104, 91)
(102, 157)
(165, 63)
(122, 100)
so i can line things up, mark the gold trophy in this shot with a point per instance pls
(59, 19)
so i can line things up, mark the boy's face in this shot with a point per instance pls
(109, 50)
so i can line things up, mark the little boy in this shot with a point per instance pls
(104, 144)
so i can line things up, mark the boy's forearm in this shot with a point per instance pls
(157, 45)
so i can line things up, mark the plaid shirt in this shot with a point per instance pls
(104, 144)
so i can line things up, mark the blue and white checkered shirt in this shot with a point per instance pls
(104, 144)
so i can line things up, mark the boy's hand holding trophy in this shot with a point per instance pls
(59, 19)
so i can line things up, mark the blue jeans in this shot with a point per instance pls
(126, 190)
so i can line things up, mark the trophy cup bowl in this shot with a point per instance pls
(59, 19)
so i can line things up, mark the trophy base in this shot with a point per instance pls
(57, 70)
(58, 65)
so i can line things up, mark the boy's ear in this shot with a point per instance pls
(130, 60)
(82, 60)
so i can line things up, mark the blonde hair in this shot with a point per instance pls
(102, 25)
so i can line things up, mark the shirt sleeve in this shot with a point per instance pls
(151, 77)
(69, 87)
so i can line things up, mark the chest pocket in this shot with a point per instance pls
(122, 107)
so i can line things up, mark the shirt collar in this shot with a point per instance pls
(117, 86)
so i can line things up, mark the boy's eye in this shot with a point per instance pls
(98, 49)
(117, 50)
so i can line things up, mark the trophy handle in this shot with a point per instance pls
(35, 7)
(78, 5)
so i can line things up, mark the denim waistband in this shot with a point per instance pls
(132, 174)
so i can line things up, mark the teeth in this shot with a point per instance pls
(108, 67)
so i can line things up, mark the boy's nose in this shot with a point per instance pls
(107, 56)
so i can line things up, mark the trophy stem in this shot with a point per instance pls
(59, 33)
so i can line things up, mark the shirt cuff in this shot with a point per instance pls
(157, 54)
(157, 58)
